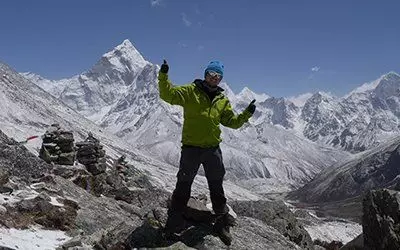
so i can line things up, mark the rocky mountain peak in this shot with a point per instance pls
(318, 103)
(283, 111)
(247, 94)
(123, 62)
(126, 51)
(388, 86)
(319, 97)
(392, 74)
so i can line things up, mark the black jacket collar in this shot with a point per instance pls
(199, 83)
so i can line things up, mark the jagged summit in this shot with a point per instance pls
(389, 85)
(33, 76)
(126, 54)
(391, 74)
(126, 47)
(320, 97)
(370, 86)
(247, 94)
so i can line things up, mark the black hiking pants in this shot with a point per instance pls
(191, 158)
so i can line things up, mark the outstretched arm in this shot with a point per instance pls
(229, 119)
(175, 95)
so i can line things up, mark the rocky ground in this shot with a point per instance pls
(114, 210)
(122, 210)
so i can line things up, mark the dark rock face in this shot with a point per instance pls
(355, 244)
(278, 216)
(283, 111)
(381, 219)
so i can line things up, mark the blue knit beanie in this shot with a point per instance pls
(215, 66)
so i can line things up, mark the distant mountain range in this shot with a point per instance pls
(286, 143)
(326, 150)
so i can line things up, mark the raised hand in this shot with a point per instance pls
(164, 67)
(252, 107)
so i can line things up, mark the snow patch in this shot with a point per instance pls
(32, 238)
(17, 196)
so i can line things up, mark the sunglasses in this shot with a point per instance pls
(214, 74)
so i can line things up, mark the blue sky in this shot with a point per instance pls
(281, 48)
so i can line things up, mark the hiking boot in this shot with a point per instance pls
(230, 220)
(224, 234)
(174, 225)
(221, 229)
(171, 236)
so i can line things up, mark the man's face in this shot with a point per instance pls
(213, 78)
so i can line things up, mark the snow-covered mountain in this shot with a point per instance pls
(154, 127)
(27, 109)
(120, 94)
(372, 169)
(120, 90)
(124, 100)
(358, 121)
(94, 92)
(286, 144)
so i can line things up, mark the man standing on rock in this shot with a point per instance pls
(205, 107)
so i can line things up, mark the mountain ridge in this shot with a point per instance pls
(323, 120)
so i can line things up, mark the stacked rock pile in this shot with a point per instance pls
(91, 154)
(58, 146)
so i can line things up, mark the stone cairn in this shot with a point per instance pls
(58, 146)
(91, 154)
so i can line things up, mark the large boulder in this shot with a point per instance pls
(381, 219)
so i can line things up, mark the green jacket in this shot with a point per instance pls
(201, 116)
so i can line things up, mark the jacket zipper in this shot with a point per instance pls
(219, 96)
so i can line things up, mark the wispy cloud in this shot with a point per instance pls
(155, 3)
(315, 69)
(183, 45)
(200, 47)
(186, 20)
(318, 73)
(313, 73)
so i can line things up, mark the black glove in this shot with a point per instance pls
(164, 67)
(252, 107)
